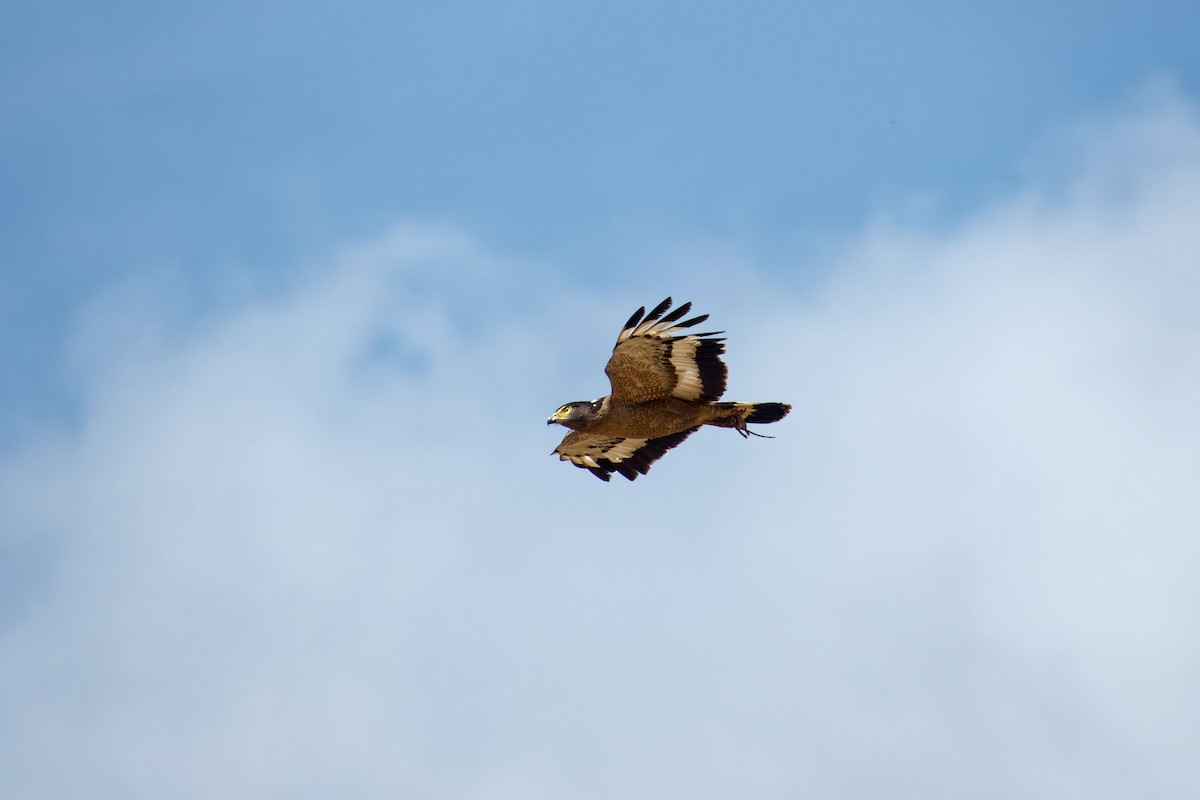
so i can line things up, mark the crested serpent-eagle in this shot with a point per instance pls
(665, 385)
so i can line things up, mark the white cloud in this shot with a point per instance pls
(316, 547)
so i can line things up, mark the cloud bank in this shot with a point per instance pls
(312, 545)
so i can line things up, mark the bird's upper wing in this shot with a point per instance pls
(604, 455)
(653, 360)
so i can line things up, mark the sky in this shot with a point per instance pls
(286, 295)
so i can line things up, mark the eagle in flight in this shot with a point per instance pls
(665, 385)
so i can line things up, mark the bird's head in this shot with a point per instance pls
(576, 415)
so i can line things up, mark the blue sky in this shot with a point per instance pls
(288, 292)
(249, 138)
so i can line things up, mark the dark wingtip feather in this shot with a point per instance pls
(677, 313)
(629, 472)
(658, 310)
(635, 319)
(693, 321)
(599, 473)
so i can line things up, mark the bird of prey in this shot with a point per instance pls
(665, 385)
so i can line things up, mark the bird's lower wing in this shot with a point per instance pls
(604, 455)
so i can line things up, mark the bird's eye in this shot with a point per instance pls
(563, 411)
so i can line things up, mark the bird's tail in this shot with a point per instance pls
(766, 412)
(736, 415)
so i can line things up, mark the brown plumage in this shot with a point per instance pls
(665, 384)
